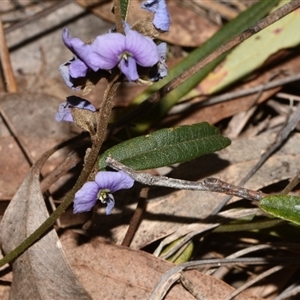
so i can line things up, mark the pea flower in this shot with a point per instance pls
(161, 18)
(105, 183)
(110, 50)
(64, 110)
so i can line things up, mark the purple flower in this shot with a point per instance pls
(162, 67)
(109, 50)
(161, 15)
(64, 110)
(105, 183)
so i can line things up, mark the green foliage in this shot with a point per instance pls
(182, 255)
(225, 34)
(167, 146)
(124, 8)
(282, 206)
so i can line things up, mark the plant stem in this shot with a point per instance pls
(98, 139)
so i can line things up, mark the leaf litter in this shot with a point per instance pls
(167, 211)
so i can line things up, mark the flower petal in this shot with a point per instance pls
(113, 181)
(105, 51)
(162, 67)
(64, 113)
(78, 102)
(150, 5)
(110, 204)
(76, 45)
(78, 68)
(141, 48)
(128, 68)
(86, 197)
(65, 73)
(161, 15)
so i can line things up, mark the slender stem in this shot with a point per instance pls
(118, 15)
(104, 116)
(267, 21)
(209, 184)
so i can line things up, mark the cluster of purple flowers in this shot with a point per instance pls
(129, 52)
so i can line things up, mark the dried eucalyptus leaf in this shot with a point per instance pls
(41, 272)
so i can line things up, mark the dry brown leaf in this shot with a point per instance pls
(285, 62)
(41, 272)
(33, 118)
(187, 28)
(113, 272)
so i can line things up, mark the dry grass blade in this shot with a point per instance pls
(189, 231)
(6, 63)
(253, 281)
(170, 277)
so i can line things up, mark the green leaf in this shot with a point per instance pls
(124, 8)
(282, 206)
(252, 53)
(167, 146)
(184, 255)
(226, 33)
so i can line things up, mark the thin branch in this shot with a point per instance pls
(136, 218)
(254, 280)
(209, 184)
(267, 21)
(10, 81)
(280, 139)
(256, 89)
(171, 276)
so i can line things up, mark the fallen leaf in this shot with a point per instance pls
(33, 119)
(42, 271)
(252, 53)
(113, 272)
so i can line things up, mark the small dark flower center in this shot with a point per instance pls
(103, 195)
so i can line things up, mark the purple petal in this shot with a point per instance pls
(86, 197)
(113, 181)
(77, 46)
(105, 51)
(128, 68)
(78, 102)
(64, 113)
(150, 5)
(78, 68)
(162, 67)
(110, 204)
(65, 73)
(142, 49)
(161, 15)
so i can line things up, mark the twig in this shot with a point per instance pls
(104, 116)
(17, 138)
(188, 285)
(136, 218)
(209, 184)
(10, 80)
(37, 16)
(171, 276)
(267, 21)
(281, 138)
(253, 281)
(187, 232)
(288, 293)
(241, 93)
